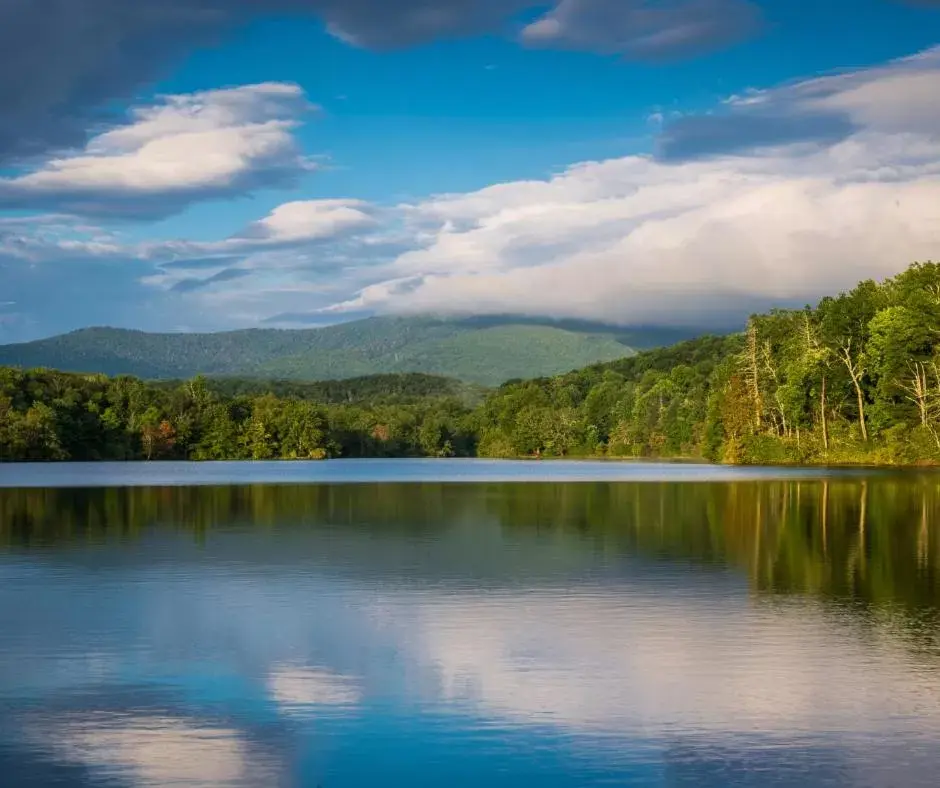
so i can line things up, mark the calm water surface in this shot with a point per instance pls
(527, 626)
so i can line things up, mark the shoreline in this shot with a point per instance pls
(518, 459)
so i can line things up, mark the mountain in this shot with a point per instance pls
(485, 350)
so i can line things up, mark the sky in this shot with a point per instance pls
(204, 165)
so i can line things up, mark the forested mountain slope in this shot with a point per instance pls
(480, 350)
(854, 379)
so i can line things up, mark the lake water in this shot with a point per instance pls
(467, 624)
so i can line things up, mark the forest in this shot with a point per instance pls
(50, 415)
(853, 380)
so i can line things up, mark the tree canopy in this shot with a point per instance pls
(854, 379)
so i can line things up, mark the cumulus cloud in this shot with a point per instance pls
(897, 98)
(64, 62)
(294, 239)
(693, 239)
(308, 220)
(215, 143)
(643, 30)
(291, 227)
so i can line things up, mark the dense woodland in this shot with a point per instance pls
(854, 380)
(49, 415)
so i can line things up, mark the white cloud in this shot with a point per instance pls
(892, 99)
(310, 220)
(643, 240)
(280, 239)
(294, 241)
(55, 238)
(899, 97)
(188, 147)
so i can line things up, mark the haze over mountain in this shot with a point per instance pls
(479, 350)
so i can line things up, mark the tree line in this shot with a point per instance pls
(50, 415)
(855, 379)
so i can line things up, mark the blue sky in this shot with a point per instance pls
(212, 164)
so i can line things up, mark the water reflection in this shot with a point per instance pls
(865, 541)
(153, 751)
(773, 633)
(299, 689)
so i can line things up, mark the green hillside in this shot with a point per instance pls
(484, 351)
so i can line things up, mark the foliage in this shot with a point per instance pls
(48, 415)
(854, 380)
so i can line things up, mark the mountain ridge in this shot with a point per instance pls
(483, 350)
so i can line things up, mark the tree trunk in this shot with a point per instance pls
(925, 399)
(753, 373)
(861, 410)
(855, 372)
(920, 384)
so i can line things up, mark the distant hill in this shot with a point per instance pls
(485, 350)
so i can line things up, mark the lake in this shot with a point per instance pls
(467, 623)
